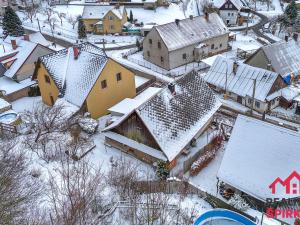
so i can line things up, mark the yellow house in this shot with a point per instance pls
(84, 76)
(104, 19)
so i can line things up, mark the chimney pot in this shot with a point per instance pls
(171, 87)
(191, 17)
(76, 53)
(13, 44)
(177, 22)
(26, 37)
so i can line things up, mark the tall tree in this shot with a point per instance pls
(130, 17)
(81, 29)
(12, 24)
(291, 12)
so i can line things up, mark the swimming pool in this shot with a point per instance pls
(8, 118)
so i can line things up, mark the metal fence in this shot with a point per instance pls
(179, 72)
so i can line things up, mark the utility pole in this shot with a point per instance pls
(253, 95)
(39, 25)
(103, 41)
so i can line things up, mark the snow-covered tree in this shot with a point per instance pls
(73, 20)
(12, 24)
(81, 29)
(291, 12)
(130, 17)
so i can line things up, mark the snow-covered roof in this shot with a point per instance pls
(218, 3)
(68, 109)
(256, 154)
(240, 82)
(139, 81)
(191, 31)
(128, 105)
(10, 86)
(4, 104)
(289, 93)
(75, 77)
(38, 38)
(98, 12)
(284, 56)
(23, 51)
(174, 119)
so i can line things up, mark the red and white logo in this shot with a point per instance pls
(291, 184)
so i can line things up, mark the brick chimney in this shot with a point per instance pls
(13, 44)
(26, 37)
(76, 53)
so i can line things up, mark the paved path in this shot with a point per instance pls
(256, 28)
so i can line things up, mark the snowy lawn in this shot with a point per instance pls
(159, 16)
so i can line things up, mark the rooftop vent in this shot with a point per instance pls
(171, 87)
(177, 22)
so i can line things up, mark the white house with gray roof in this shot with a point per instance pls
(184, 41)
(281, 57)
(238, 80)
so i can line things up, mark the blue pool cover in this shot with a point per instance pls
(223, 213)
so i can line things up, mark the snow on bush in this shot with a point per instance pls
(88, 125)
(238, 202)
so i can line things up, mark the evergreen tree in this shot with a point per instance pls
(291, 11)
(12, 25)
(162, 170)
(81, 29)
(130, 17)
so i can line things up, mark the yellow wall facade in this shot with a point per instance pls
(47, 89)
(117, 23)
(109, 26)
(100, 100)
(89, 24)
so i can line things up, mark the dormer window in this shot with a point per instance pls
(226, 6)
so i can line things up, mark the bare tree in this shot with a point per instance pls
(19, 190)
(30, 11)
(73, 189)
(73, 20)
(48, 11)
(61, 16)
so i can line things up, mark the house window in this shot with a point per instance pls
(103, 84)
(150, 41)
(221, 45)
(47, 79)
(226, 6)
(184, 55)
(112, 27)
(249, 101)
(52, 100)
(162, 59)
(111, 18)
(159, 45)
(212, 46)
(228, 14)
(231, 14)
(148, 53)
(257, 104)
(230, 6)
(118, 76)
